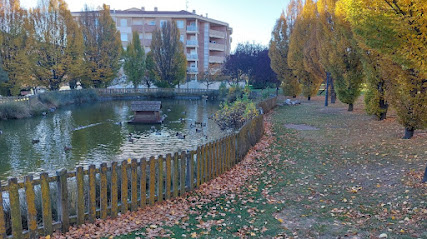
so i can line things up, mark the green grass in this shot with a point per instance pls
(353, 176)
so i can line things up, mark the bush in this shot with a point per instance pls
(234, 92)
(14, 110)
(234, 115)
(222, 90)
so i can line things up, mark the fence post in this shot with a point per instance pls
(168, 176)
(2, 221)
(15, 211)
(114, 190)
(152, 179)
(103, 190)
(124, 187)
(175, 175)
(92, 194)
(63, 212)
(182, 174)
(80, 196)
(191, 170)
(31, 205)
(46, 205)
(134, 185)
(198, 170)
(160, 180)
(143, 182)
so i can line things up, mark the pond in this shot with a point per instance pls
(95, 133)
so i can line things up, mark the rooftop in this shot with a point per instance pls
(146, 105)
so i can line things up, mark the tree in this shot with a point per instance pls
(397, 30)
(57, 47)
(3, 78)
(149, 74)
(339, 53)
(102, 46)
(134, 65)
(170, 62)
(14, 46)
(278, 53)
(211, 75)
(303, 55)
(251, 60)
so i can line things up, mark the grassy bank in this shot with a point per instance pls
(45, 103)
(328, 173)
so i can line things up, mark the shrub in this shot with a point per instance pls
(222, 90)
(14, 110)
(234, 115)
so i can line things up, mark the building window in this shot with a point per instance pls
(137, 22)
(181, 38)
(148, 35)
(162, 22)
(123, 22)
(180, 24)
(140, 36)
(124, 37)
(151, 22)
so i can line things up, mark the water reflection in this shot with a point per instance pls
(91, 134)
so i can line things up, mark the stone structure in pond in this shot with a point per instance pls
(146, 112)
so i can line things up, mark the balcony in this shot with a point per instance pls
(216, 59)
(216, 34)
(191, 28)
(216, 47)
(192, 43)
(192, 69)
(192, 57)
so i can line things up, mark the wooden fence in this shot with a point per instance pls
(147, 91)
(109, 189)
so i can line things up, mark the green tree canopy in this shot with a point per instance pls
(168, 56)
(134, 65)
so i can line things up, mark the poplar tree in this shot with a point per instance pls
(303, 55)
(397, 30)
(134, 66)
(340, 54)
(102, 47)
(278, 53)
(56, 52)
(14, 46)
(170, 61)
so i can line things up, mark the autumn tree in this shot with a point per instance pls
(56, 52)
(102, 47)
(397, 30)
(303, 56)
(339, 53)
(278, 53)
(149, 74)
(134, 65)
(14, 47)
(3, 78)
(170, 62)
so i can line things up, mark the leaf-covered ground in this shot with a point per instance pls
(345, 176)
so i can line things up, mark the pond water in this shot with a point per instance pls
(96, 133)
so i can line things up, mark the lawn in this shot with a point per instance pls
(319, 173)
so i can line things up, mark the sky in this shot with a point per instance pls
(252, 20)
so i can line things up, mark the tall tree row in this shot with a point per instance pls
(397, 32)
(45, 46)
(134, 65)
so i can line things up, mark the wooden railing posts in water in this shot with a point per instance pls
(73, 198)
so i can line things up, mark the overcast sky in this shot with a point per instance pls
(251, 20)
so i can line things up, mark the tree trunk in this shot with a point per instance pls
(425, 176)
(328, 76)
(309, 98)
(294, 96)
(382, 102)
(333, 94)
(409, 132)
(350, 107)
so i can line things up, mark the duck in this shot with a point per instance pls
(198, 130)
(180, 135)
(67, 148)
(158, 133)
(35, 141)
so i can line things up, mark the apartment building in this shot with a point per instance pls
(206, 41)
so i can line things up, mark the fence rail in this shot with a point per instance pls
(181, 91)
(36, 207)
